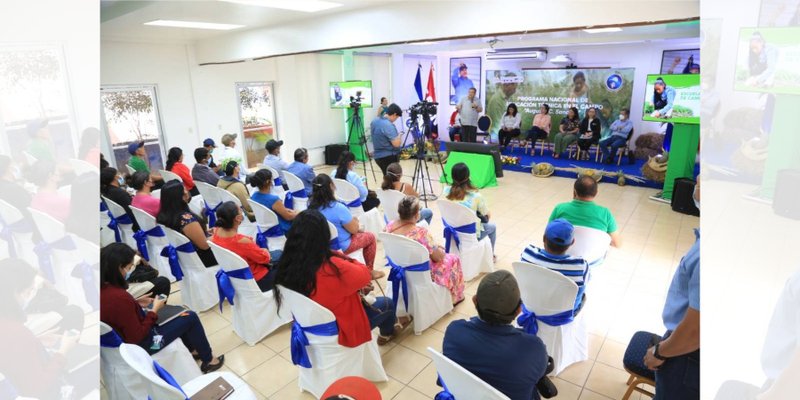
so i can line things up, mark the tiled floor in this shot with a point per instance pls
(626, 294)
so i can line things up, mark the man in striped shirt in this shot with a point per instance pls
(558, 237)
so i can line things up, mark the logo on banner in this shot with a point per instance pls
(614, 82)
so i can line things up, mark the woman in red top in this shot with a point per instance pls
(136, 326)
(335, 282)
(229, 217)
(175, 164)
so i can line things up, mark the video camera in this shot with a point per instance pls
(423, 108)
(355, 102)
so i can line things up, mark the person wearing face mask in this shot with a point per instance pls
(202, 170)
(143, 199)
(111, 187)
(619, 136)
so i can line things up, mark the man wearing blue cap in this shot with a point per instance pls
(210, 146)
(138, 163)
(558, 237)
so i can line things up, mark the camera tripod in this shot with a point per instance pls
(357, 133)
(421, 171)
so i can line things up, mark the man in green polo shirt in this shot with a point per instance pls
(583, 211)
(138, 163)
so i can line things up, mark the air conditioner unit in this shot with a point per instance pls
(561, 59)
(511, 54)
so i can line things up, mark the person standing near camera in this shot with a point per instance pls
(385, 139)
(468, 108)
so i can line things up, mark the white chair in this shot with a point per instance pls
(169, 176)
(125, 229)
(86, 273)
(199, 284)
(157, 388)
(358, 255)
(130, 169)
(29, 158)
(156, 193)
(211, 198)
(329, 360)
(197, 205)
(81, 167)
(475, 255)
(155, 239)
(347, 193)
(590, 244)
(546, 292)
(246, 228)
(298, 191)
(461, 383)
(276, 189)
(427, 301)
(106, 233)
(17, 234)
(267, 220)
(123, 383)
(390, 199)
(254, 312)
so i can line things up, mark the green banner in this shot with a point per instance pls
(672, 98)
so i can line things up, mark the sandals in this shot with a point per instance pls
(398, 327)
(207, 367)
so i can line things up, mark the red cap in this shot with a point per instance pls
(355, 387)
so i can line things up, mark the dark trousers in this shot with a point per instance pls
(456, 130)
(506, 136)
(610, 145)
(381, 314)
(189, 329)
(469, 133)
(384, 162)
(584, 144)
(268, 281)
(535, 134)
(160, 286)
(679, 377)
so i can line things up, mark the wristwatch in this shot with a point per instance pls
(656, 355)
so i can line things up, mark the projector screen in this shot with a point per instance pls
(677, 101)
(341, 92)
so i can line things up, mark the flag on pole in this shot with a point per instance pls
(431, 94)
(418, 82)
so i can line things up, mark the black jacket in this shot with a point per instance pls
(595, 128)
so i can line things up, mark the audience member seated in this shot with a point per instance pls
(567, 132)
(463, 192)
(144, 272)
(558, 237)
(202, 171)
(501, 355)
(144, 200)
(209, 145)
(455, 126)
(111, 183)
(391, 181)
(509, 125)
(589, 132)
(41, 142)
(274, 160)
(345, 171)
(619, 136)
(47, 199)
(351, 238)
(175, 214)
(583, 211)
(231, 183)
(301, 169)
(11, 189)
(229, 153)
(229, 217)
(135, 320)
(83, 192)
(138, 163)
(89, 149)
(336, 282)
(103, 162)
(540, 128)
(445, 268)
(262, 180)
(176, 166)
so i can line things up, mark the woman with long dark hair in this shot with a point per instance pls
(262, 180)
(589, 131)
(391, 181)
(174, 213)
(111, 183)
(336, 282)
(345, 171)
(351, 238)
(509, 125)
(175, 164)
(462, 191)
(567, 132)
(227, 235)
(125, 314)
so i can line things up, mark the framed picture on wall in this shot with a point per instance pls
(685, 61)
(465, 73)
(257, 119)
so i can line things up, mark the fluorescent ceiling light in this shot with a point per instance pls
(603, 30)
(193, 25)
(294, 5)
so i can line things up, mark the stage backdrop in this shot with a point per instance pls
(609, 90)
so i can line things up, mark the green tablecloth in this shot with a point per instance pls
(481, 168)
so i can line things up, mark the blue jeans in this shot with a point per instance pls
(679, 377)
(381, 314)
(426, 214)
(189, 329)
(489, 229)
(610, 145)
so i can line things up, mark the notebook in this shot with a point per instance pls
(139, 289)
(218, 389)
(169, 312)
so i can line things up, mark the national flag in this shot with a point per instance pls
(418, 82)
(431, 88)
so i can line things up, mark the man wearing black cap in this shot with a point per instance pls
(385, 139)
(503, 356)
(273, 158)
(209, 145)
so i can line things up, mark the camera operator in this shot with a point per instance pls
(385, 139)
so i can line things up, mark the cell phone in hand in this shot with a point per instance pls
(162, 297)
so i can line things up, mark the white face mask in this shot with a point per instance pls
(121, 181)
(622, 117)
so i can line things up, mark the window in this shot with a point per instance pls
(131, 115)
(257, 116)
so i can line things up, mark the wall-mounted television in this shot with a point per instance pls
(768, 60)
(342, 94)
(672, 98)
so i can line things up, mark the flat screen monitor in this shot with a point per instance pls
(342, 94)
(672, 98)
(768, 60)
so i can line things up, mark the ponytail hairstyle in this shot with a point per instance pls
(393, 174)
(173, 156)
(408, 208)
(345, 159)
(461, 182)
(226, 215)
(322, 195)
(262, 179)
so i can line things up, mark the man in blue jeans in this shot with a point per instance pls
(619, 135)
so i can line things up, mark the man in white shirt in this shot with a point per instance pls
(468, 108)
(229, 153)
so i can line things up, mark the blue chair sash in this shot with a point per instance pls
(85, 272)
(261, 236)
(171, 252)
(103, 206)
(300, 340)
(211, 213)
(528, 320)
(115, 222)
(163, 374)
(110, 340)
(288, 201)
(278, 182)
(141, 239)
(8, 231)
(398, 278)
(44, 252)
(451, 233)
(445, 393)
(352, 204)
(335, 244)
(224, 285)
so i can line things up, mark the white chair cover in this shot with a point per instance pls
(358, 255)
(126, 230)
(265, 220)
(81, 167)
(389, 201)
(156, 193)
(372, 221)
(199, 284)
(276, 189)
(329, 360)
(590, 244)
(475, 255)
(169, 176)
(20, 232)
(157, 388)
(254, 312)
(130, 169)
(197, 205)
(428, 301)
(461, 383)
(29, 158)
(147, 223)
(106, 233)
(296, 185)
(547, 292)
(246, 228)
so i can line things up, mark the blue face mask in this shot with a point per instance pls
(128, 274)
(121, 181)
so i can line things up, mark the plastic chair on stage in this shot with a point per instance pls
(157, 387)
(348, 195)
(298, 192)
(590, 244)
(150, 240)
(123, 383)
(475, 255)
(198, 284)
(327, 361)
(122, 218)
(549, 294)
(267, 222)
(461, 383)
(277, 183)
(426, 301)
(357, 255)
(254, 312)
